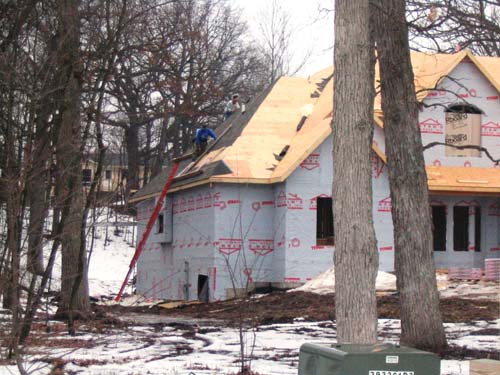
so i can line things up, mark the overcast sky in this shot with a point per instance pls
(313, 30)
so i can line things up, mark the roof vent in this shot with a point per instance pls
(282, 153)
(301, 122)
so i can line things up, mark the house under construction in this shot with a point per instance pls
(256, 209)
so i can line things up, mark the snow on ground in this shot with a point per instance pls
(153, 344)
(110, 254)
(161, 345)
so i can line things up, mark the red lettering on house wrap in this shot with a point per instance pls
(385, 205)
(431, 126)
(385, 248)
(256, 206)
(281, 201)
(175, 207)
(261, 247)
(321, 247)
(437, 93)
(294, 202)
(436, 163)
(490, 129)
(199, 202)
(182, 205)
(208, 200)
(311, 162)
(294, 243)
(493, 97)
(229, 246)
(218, 202)
(190, 204)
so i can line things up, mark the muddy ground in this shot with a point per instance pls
(283, 307)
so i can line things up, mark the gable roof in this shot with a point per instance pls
(293, 117)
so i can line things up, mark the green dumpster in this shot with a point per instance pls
(378, 359)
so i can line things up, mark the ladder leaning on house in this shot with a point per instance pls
(149, 227)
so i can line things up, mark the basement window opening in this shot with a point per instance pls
(325, 233)
(439, 227)
(160, 224)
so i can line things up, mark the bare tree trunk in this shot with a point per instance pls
(421, 322)
(37, 188)
(69, 156)
(356, 254)
(133, 155)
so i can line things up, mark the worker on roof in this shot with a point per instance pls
(232, 106)
(201, 140)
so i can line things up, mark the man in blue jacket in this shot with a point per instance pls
(201, 140)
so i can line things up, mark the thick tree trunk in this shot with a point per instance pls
(133, 154)
(37, 189)
(421, 322)
(356, 255)
(69, 156)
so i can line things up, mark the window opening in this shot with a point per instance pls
(325, 233)
(86, 176)
(460, 228)
(439, 227)
(463, 128)
(108, 174)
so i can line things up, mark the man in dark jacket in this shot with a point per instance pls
(201, 140)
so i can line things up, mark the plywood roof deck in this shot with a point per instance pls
(272, 125)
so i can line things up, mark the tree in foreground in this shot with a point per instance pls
(421, 322)
(356, 254)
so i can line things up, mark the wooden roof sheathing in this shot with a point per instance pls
(252, 155)
(463, 180)
(270, 124)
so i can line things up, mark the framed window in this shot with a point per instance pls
(325, 233)
(463, 128)
(439, 227)
(86, 176)
(460, 228)
(107, 174)
(160, 224)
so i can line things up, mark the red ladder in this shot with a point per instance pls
(149, 226)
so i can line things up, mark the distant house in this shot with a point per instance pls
(256, 210)
(114, 172)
